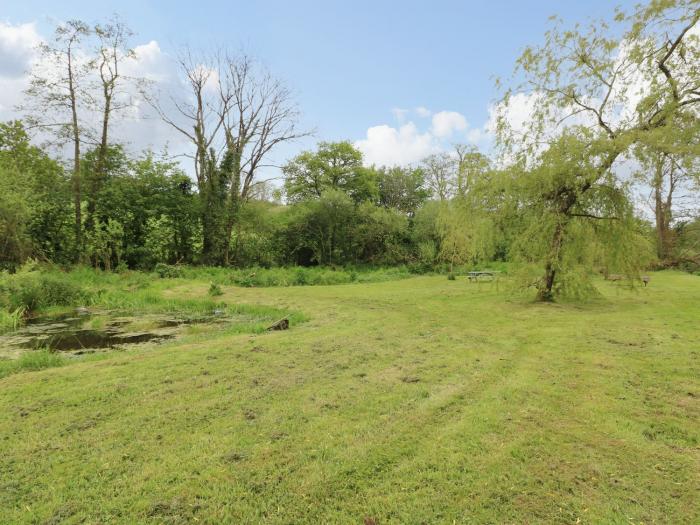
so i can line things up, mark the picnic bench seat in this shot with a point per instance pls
(475, 276)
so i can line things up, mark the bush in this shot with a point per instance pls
(215, 290)
(32, 291)
(167, 271)
(420, 268)
(301, 276)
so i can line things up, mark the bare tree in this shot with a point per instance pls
(261, 116)
(471, 166)
(199, 117)
(671, 177)
(112, 51)
(236, 115)
(441, 175)
(57, 94)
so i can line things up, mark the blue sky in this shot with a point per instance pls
(350, 63)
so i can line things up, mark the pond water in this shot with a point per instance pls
(82, 331)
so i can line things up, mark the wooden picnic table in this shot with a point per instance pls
(474, 276)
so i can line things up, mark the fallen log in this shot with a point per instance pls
(282, 324)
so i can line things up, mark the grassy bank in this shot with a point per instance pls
(47, 290)
(415, 401)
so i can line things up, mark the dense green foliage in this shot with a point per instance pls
(146, 213)
(556, 199)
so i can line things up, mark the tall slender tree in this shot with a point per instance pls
(57, 94)
(112, 50)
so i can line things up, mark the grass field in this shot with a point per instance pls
(420, 400)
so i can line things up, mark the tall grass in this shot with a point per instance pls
(293, 276)
(11, 320)
(31, 361)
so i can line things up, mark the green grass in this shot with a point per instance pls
(31, 361)
(11, 319)
(422, 400)
(293, 276)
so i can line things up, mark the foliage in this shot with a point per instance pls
(558, 195)
(35, 216)
(215, 290)
(594, 96)
(402, 189)
(335, 167)
(31, 289)
(167, 271)
(11, 319)
(314, 276)
(570, 221)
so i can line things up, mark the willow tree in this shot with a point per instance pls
(592, 96)
(562, 218)
(467, 223)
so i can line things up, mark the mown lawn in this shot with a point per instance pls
(414, 401)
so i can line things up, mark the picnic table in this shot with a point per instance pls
(475, 276)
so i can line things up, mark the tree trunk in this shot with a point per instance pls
(546, 291)
(97, 178)
(663, 241)
(662, 212)
(77, 203)
(231, 220)
(77, 197)
(232, 209)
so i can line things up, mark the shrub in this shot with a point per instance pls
(215, 290)
(301, 276)
(167, 271)
(31, 291)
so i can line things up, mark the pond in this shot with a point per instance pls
(84, 331)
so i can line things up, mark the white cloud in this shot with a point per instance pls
(150, 62)
(388, 146)
(11, 94)
(17, 48)
(400, 114)
(17, 51)
(405, 144)
(476, 136)
(445, 123)
(517, 112)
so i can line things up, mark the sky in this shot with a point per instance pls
(399, 79)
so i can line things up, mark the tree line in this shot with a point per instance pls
(613, 116)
